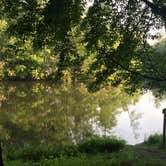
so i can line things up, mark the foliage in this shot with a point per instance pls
(64, 61)
(101, 145)
(124, 157)
(103, 44)
(38, 152)
(153, 66)
(155, 139)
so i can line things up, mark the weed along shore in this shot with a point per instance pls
(96, 151)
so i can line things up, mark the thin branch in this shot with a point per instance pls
(138, 73)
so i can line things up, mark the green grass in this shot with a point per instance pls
(37, 152)
(97, 151)
(121, 158)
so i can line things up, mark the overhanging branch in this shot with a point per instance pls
(138, 73)
(156, 9)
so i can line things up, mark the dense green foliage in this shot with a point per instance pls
(120, 159)
(101, 144)
(155, 139)
(67, 40)
(70, 155)
(37, 152)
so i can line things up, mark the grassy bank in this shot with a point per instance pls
(97, 151)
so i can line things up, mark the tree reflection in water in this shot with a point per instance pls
(44, 113)
(134, 116)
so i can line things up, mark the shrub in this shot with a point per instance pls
(154, 139)
(92, 145)
(39, 152)
(98, 144)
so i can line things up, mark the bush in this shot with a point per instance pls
(122, 158)
(98, 144)
(154, 139)
(39, 152)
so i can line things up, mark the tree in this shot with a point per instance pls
(1, 160)
(115, 33)
(118, 32)
(158, 8)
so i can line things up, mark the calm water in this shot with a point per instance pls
(45, 113)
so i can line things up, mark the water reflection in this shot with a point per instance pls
(142, 119)
(134, 117)
(45, 113)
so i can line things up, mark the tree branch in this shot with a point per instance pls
(156, 9)
(138, 73)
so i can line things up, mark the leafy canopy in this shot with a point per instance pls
(114, 34)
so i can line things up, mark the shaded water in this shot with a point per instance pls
(45, 113)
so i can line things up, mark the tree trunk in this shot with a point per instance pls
(1, 159)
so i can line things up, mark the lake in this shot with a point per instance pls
(36, 112)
